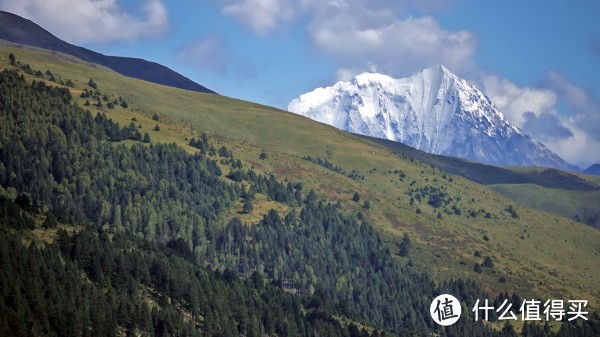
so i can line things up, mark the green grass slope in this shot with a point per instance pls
(448, 218)
(578, 205)
(490, 174)
(568, 194)
(22, 31)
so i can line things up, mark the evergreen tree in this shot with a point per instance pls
(247, 207)
(404, 245)
(50, 221)
(367, 204)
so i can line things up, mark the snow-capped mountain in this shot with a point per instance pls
(434, 111)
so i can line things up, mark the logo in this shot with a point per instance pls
(445, 310)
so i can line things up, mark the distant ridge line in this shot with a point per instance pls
(14, 28)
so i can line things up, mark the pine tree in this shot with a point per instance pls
(50, 221)
(404, 245)
(248, 207)
(487, 262)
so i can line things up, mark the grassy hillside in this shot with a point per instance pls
(579, 205)
(22, 31)
(490, 174)
(532, 251)
(569, 194)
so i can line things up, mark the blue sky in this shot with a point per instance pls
(538, 61)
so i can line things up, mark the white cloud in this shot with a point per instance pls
(91, 21)
(514, 101)
(583, 107)
(433, 5)
(581, 149)
(347, 74)
(212, 54)
(261, 15)
(396, 47)
(361, 33)
(573, 133)
(209, 53)
(577, 95)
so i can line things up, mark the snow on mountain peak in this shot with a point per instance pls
(368, 78)
(434, 111)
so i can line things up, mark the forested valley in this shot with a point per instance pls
(140, 244)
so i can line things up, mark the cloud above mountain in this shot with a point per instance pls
(211, 53)
(563, 115)
(93, 21)
(394, 46)
(514, 101)
(261, 15)
(581, 106)
(546, 126)
(360, 34)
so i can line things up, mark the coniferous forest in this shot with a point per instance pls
(140, 243)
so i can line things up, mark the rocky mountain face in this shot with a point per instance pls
(434, 111)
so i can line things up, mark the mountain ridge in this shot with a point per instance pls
(593, 169)
(19, 30)
(488, 174)
(434, 111)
